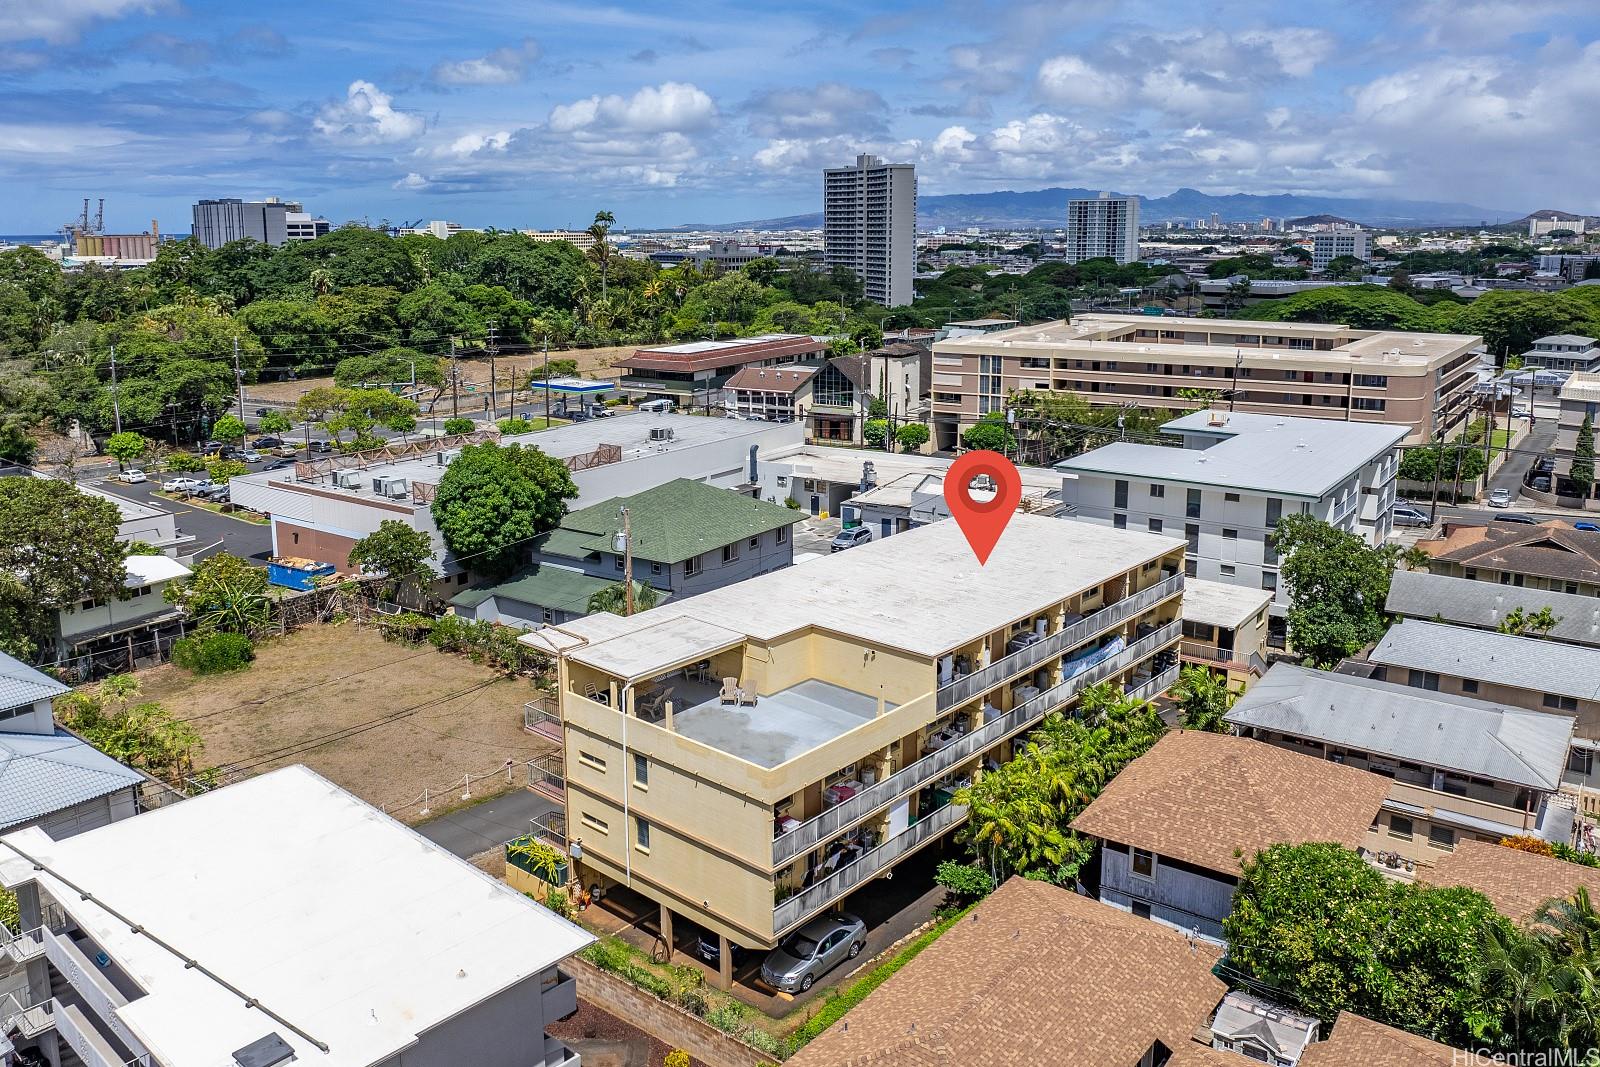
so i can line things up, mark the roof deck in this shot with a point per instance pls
(778, 727)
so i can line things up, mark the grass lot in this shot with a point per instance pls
(339, 680)
(508, 370)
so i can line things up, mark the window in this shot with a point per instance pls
(589, 759)
(1120, 521)
(1229, 570)
(1191, 568)
(1269, 550)
(783, 535)
(1269, 581)
(595, 824)
(1274, 511)
(1368, 403)
(1580, 760)
(730, 553)
(1158, 490)
(691, 566)
(1144, 863)
(1469, 685)
(1229, 535)
(549, 616)
(1120, 494)
(641, 771)
(1191, 532)
(618, 560)
(1373, 381)
(1191, 507)
(1560, 703)
(1424, 680)
(1442, 838)
(1400, 826)
(1155, 525)
(641, 833)
(1231, 498)
(755, 543)
(655, 568)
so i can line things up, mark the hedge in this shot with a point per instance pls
(213, 653)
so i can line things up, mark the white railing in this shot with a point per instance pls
(915, 775)
(963, 689)
(813, 899)
(1155, 686)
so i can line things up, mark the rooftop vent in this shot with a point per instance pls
(347, 479)
(661, 433)
(266, 1051)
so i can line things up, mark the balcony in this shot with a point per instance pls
(914, 776)
(560, 996)
(979, 682)
(1200, 652)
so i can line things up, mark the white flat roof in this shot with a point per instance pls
(692, 347)
(1272, 454)
(336, 917)
(1221, 604)
(148, 570)
(921, 591)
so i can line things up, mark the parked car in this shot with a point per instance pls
(856, 535)
(1587, 527)
(1522, 411)
(1524, 520)
(212, 446)
(250, 455)
(279, 465)
(1545, 464)
(813, 950)
(217, 494)
(133, 476)
(262, 413)
(1405, 515)
(266, 442)
(319, 447)
(706, 948)
(1500, 498)
(180, 485)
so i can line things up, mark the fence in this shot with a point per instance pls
(458, 791)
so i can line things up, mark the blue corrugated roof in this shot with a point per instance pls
(20, 684)
(44, 773)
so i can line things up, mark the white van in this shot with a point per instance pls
(662, 406)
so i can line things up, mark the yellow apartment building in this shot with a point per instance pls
(749, 757)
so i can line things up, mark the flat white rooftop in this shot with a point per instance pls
(336, 917)
(1220, 604)
(922, 591)
(1272, 454)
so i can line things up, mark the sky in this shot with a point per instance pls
(539, 114)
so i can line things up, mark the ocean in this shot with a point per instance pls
(29, 238)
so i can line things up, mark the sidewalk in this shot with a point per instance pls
(489, 824)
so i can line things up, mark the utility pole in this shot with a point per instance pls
(116, 406)
(624, 544)
(547, 379)
(238, 378)
(455, 381)
(494, 347)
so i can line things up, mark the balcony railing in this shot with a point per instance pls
(1212, 654)
(1155, 686)
(975, 684)
(813, 899)
(929, 768)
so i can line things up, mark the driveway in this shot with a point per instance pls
(1540, 441)
(250, 540)
(481, 827)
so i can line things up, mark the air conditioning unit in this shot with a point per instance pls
(448, 456)
(661, 433)
(398, 488)
(348, 479)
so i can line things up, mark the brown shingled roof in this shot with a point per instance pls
(771, 379)
(716, 355)
(1516, 882)
(1035, 975)
(1359, 1042)
(1549, 550)
(1202, 797)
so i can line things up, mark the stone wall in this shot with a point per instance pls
(661, 1020)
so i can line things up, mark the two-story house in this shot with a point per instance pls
(280, 920)
(1229, 479)
(1488, 605)
(1548, 557)
(1564, 351)
(123, 629)
(686, 537)
(1176, 825)
(750, 757)
(1456, 768)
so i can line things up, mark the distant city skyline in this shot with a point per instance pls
(540, 116)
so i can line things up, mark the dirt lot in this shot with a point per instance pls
(508, 370)
(383, 720)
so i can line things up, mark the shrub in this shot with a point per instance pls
(676, 1058)
(483, 642)
(791, 503)
(459, 426)
(559, 902)
(408, 627)
(183, 463)
(214, 653)
(1555, 849)
(514, 425)
(728, 1016)
(964, 883)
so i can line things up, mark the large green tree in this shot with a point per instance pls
(614, 598)
(1337, 587)
(492, 502)
(58, 547)
(402, 555)
(1582, 472)
(225, 593)
(1203, 698)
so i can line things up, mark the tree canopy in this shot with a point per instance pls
(1338, 585)
(493, 501)
(402, 555)
(58, 547)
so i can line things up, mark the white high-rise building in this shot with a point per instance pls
(1106, 227)
(869, 224)
(1329, 245)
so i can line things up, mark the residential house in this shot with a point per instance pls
(1035, 975)
(917, 498)
(50, 777)
(687, 537)
(1234, 477)
(1580, 401)
(124, 630)
(750, 756)
(1564, 352)
(1255, 1027)
(694, 374)
(1225, 630)
(1485, 605)
(321, 508)
(1550, 556)
(1315, 370)
(771, 394)
(1177, 824)
(1356, 1041)
(1456, 768)
(277, 920)
(1517, 883)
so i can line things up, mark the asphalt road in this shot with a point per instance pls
(212, 532)
(481, 827)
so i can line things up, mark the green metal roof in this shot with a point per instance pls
(544, 586)
(671, 522)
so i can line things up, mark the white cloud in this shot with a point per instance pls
(954, 144)
(63, 21)
(367, 116)
(671, 106)
(412, 182)
(471, 143)
(815, 110)
(503, 66)
(1072, 80)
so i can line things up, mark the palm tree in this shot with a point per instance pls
(614, 598)
(1516, 971)
(600, 250)
(1204, 697)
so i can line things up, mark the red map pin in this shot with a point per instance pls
(982, 520)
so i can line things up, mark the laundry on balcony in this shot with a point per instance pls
(1076, 665)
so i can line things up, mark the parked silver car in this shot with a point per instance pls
(1500, 498)
(813, 950)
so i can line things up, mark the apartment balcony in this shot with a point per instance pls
(965, 688)
(560, 996)
(930, 768)
(1211, 655)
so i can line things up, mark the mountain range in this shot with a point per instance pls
(1048, 208)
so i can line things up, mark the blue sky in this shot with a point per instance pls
(538, 114)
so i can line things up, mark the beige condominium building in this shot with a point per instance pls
(1277, 368)
(784, 741)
